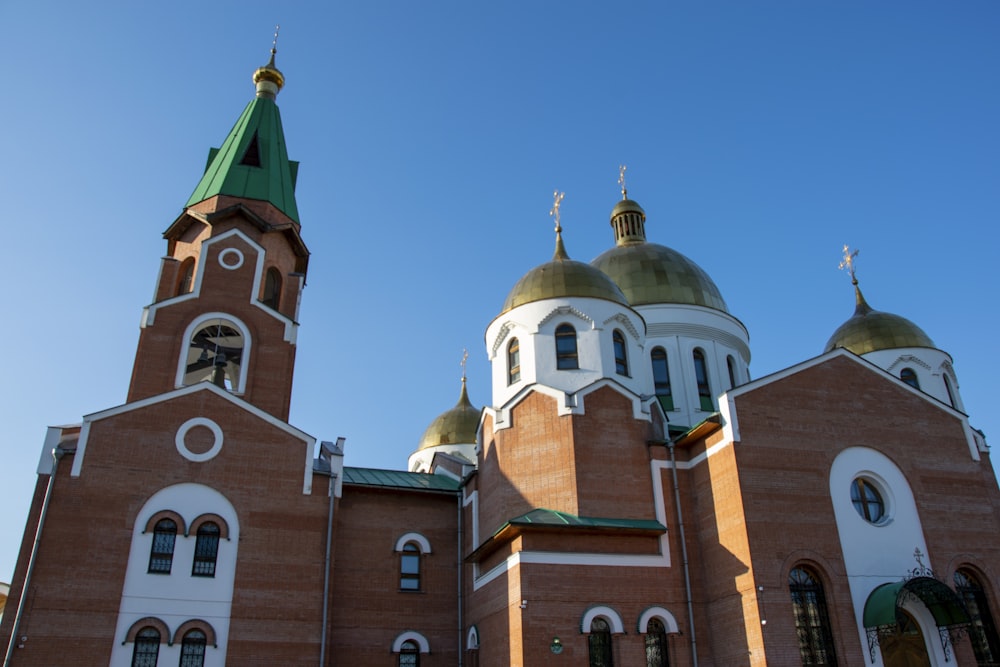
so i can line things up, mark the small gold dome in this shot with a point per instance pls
(870, 330)
(268, 79)
(563, 278)
(457, 426)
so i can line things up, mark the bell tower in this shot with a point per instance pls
(226, 302)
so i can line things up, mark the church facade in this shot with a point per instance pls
(630, 496)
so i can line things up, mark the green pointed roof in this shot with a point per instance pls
(253, 161)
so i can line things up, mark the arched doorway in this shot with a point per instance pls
(906, 647)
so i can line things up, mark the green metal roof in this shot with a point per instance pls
(253, 161)
(546, 517)
(399, 479)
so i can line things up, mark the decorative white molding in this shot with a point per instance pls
(182, 432)
(668, 620)
(627, 325)
(607, 613)
(410, 635)
(224, 259)
(567, 310)
(417, 538)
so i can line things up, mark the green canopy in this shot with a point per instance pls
(944, 605)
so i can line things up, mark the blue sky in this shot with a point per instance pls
(759, 137)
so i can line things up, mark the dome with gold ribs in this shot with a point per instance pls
(457, 426)
(562, 277)
(870, 330)
(649, 273)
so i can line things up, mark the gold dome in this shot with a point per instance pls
(562, 277)
(870, 330)
(268, 79)
(457, 426)
(649, 273)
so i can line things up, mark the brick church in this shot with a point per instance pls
(629, 496)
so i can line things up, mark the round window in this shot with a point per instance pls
(867, 500)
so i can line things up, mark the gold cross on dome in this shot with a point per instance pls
(848, 262)
(621, 180)
(557, 198)
(274, 44)
(465, 359)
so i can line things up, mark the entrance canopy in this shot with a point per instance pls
(944, 605)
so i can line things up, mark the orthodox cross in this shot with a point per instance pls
(848, 263)
(274, 44)
(621, 180)
(465, 358)
(557, 198)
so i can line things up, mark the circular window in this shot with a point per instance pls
(231, 258)
(868, 500)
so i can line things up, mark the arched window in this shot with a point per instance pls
(731, 365)
(185, 280)
(985, 641)
(193, 649)
(701, 377)
(812, 624)
(600, 644)
(215, 353)
(409, 654)
(661, 378)
(146, 648)
(206, 550)
(947, 388)
(621, 354)
(566, 356)
(909, 376)
(513, 361)
(409, 567)
(656, 644)
(272, 288)
(161, 555)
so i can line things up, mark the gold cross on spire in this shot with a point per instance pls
(621, 180)
(274, 44)
(557, 198)
(465, 359)
(848, 263)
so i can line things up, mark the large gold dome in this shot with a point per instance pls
(562, 277)
(457, 426)
(651, 273)
(870, 330)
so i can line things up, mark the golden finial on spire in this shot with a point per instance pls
(848, 263)
(269, 79)
(465, 359)
(557, 198)
(621, 181)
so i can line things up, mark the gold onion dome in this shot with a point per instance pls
(562, 277)
(870, 330)
(649, 273)
(457, 426)
(268, 79)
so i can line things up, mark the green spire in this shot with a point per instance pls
(253, 161)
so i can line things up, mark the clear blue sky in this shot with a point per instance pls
(759, 137)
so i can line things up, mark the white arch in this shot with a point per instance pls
(410, 635)
(608, 614)
(200, 321)
(421, 541)
(668, 620)
(472, 638)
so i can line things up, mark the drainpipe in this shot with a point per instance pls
(684, 553)
(461, 646)
(57, 453)
(327, 451)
